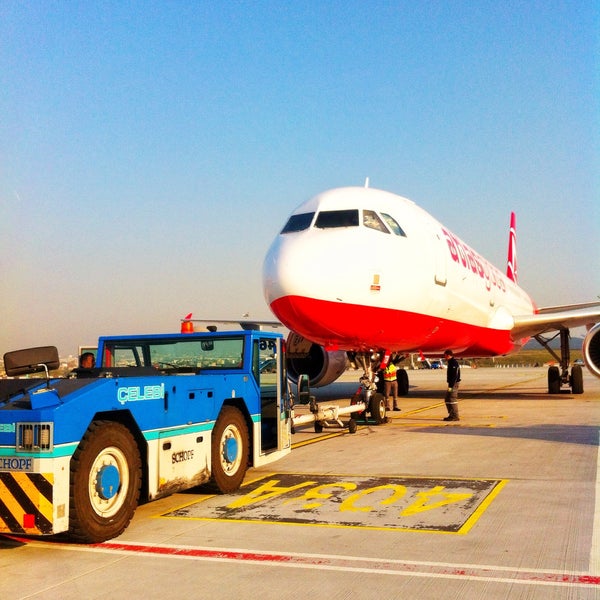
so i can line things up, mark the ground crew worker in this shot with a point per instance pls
(390, 381)
(453, 380)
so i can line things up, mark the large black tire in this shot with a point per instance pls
(402, 377)
(577, 379)
(553, 380)
(380, 383)
(106, 476)
(377, 408)
(230, 450)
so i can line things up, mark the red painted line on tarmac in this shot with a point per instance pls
(500, 574)
(200, 553)
(507, 574)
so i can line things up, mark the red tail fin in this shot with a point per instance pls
(511, 267)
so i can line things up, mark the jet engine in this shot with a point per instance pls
(591, 350)
(322, 366)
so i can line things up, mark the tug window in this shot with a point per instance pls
(393, 225)
(298, 222)
(210, 353)
(372, 221)
(337, 218)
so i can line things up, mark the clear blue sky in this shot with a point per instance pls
(151, 151)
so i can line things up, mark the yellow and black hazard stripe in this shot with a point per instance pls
(26, 502)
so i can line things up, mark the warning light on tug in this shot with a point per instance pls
(186, 325)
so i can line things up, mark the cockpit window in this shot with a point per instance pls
(372, 221)
(337, 218)
(393, 225)
(298, 222)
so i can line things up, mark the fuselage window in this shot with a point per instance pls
(337, 218)
(393, 224)
(298, 222)
(372, 221)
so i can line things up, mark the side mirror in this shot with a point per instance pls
(32, 360)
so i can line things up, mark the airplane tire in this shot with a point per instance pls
(379, 384)
(553, 380)
(230, 448)
(105, 482)
(577, 379)
(402, 377)
(377, 408)
(352, 426)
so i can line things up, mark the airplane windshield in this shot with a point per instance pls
(329, 219)
(393, 224)
(298, 222)
(372, 221)
(337, 218)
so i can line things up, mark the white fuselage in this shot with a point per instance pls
(344, 276)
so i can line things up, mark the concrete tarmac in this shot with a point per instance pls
(503, 504)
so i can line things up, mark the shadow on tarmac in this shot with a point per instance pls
(570, 434)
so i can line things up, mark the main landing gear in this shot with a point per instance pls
(558, 376)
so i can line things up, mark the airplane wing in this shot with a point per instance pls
(554, 318)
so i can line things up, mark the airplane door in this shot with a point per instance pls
(440, 254)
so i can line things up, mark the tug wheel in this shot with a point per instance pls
(230, 450)
(106, 476)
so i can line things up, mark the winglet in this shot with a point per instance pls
(511, 267)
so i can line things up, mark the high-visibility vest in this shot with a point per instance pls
(389, 374)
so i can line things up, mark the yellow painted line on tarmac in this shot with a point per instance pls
(385, 503)
(505, 386)
(420, 410)
(319, 438)
(540, 376)
(424, 425)
(483, 506)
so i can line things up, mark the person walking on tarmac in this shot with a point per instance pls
(390, 381)
(453, 379)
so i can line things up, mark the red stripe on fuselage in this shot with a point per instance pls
(362, 328)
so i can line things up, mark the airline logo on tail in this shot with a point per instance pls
(511, 267)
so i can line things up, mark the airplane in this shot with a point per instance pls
(363, 276)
